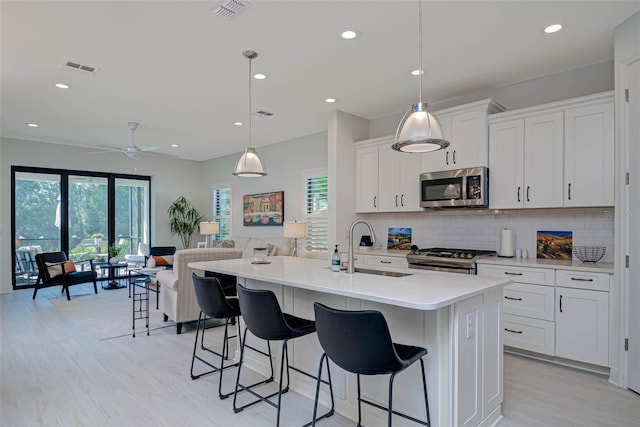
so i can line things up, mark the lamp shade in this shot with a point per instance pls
(294, 229)
(249, 164)
(419, 131)
(209, 227)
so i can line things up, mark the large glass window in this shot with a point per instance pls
(222, 211)
(80, 213)
(317, 210)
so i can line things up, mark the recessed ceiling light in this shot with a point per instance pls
(62, 86)
(416, 72)
(238, 123)
(259, 76)
(349, 34)
(174, 145)
(32, 125)
(330, 100)
(553, 28)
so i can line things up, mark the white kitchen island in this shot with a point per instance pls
(456, 317)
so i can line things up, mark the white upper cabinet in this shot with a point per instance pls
(588, 155)
(465, 127)
(366, 177)
(391, 181)
(553, 155)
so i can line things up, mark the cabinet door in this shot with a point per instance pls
(389, 182)
(366, 179)
(469, 140)
(506, 164)
(409, 165)
(588, 155)
(439, 160)
(543, 161)
(582, 325)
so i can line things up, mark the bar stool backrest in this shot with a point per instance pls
(356, 341)
(210, 297)
(262, 314)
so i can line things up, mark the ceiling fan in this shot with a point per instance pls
(133, 151)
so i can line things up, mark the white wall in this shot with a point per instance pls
(285, 162)
(170, 178)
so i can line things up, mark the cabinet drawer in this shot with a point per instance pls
(385, 261)
(529, 334)
(536, 301)
(539, 276)
(582, 280)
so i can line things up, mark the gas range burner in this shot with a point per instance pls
(449, 258)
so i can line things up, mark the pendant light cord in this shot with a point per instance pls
(420, 47)
(250, 59)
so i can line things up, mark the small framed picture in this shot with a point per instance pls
(202, 245)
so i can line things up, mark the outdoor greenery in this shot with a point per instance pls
(184, 219)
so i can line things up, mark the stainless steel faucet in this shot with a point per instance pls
(351, 268)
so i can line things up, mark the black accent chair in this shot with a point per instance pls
(160, 251)
(360, 342)
(46, 260)
(215, 305)
(263, 317)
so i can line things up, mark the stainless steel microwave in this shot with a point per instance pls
(455, 188)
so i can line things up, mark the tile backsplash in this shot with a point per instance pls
(480, 229)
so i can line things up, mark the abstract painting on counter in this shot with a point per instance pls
(399, 238)
(554, 245)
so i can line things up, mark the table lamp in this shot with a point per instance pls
(208, 228)
(295, 230)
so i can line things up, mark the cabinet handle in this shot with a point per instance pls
(447, 158)
(560, 303)
(519, 188)
(513, 299)
(374, 201)
(402, 200)
(512, 331)
(512, 274)
(527, 193)
(454, 157)
(581, 280)
(569, 191)
(385, 262)
(396, 200)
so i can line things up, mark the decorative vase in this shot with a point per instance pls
(114, 260)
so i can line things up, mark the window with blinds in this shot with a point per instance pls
(222, 211)
(316, 208)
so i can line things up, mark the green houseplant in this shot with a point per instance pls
(183, 219)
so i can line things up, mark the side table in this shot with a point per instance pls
(139, 280)
(112, 271)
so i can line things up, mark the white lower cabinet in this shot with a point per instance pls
(582, 325)
(555, 312)
(385, 261)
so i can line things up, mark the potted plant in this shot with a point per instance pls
(114, 253)
(184, 219)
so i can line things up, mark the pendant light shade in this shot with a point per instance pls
(419, 130)
(249, 165)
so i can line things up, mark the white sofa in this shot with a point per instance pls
(177, 297)
(281, 245)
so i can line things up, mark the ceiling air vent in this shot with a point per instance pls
(264, 113)
(79, 67)
(228, 9)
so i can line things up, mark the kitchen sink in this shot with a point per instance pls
(382, 272)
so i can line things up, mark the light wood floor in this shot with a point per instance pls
(53, 373)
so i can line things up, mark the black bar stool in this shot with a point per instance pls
(215, 305)
(359, 342)
(264, 318)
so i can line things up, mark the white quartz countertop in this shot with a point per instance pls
(422, 290)
(598, 267)
(381, 252)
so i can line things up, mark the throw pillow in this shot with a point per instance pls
(163, 260)
(69, 267)
(54, 269)
(223, 243)
(151, 263)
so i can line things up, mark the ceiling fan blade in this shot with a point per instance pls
(109, 148)
(145, 149)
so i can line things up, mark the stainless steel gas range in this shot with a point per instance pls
(446, 259)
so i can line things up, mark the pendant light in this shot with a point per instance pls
(249, 165)
(419, 130)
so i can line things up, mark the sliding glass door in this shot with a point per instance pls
(80, 213)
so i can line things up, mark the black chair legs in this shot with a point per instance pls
(223, 356)
(315, 418)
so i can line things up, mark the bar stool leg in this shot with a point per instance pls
(424, 386)
(390, 410)
(315, 402)
(359, 404)
(248, 388)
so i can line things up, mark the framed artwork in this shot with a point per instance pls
(554, 245)
(265, 209)
(399, 238)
